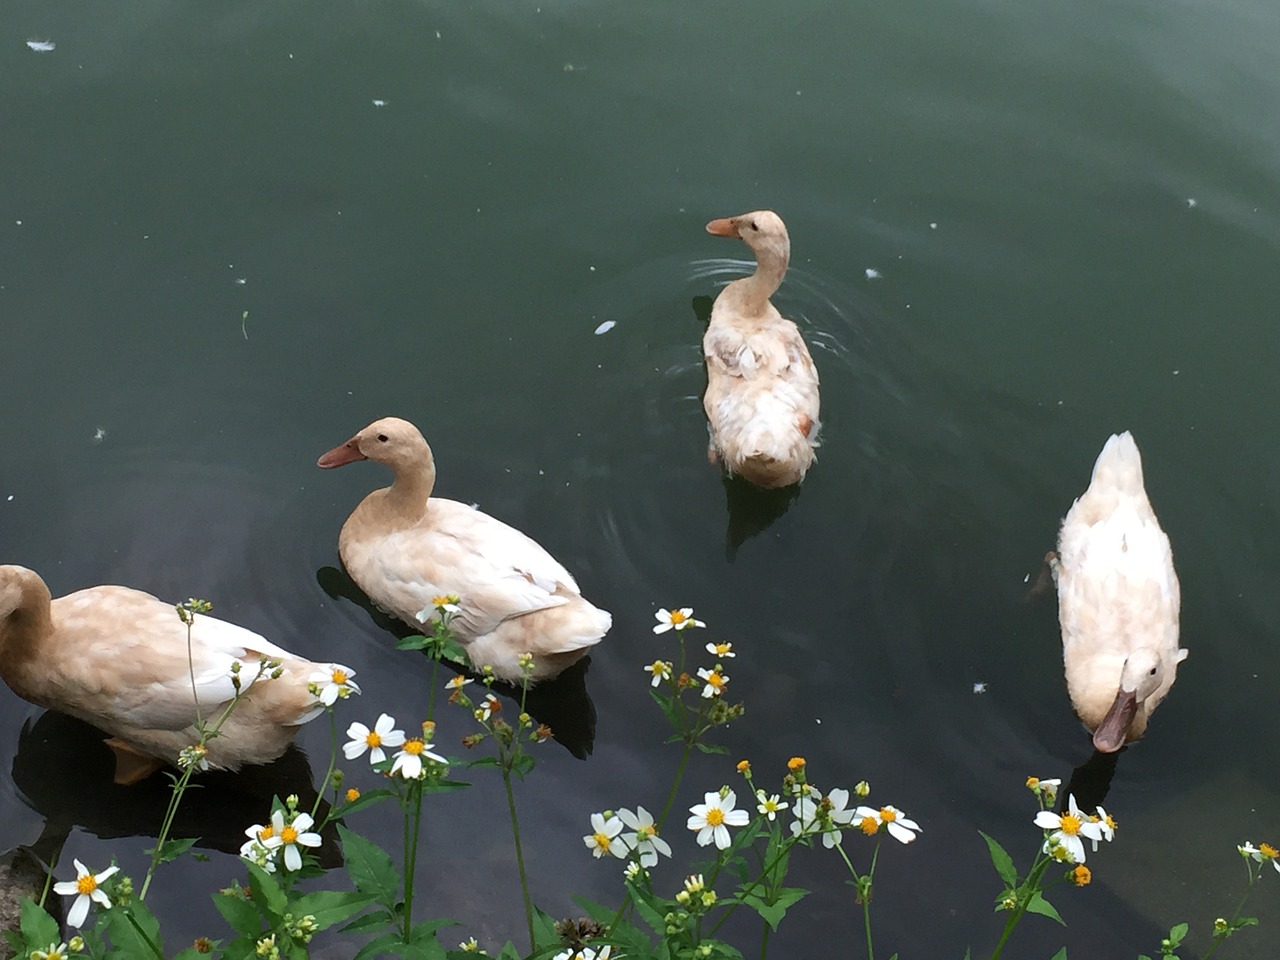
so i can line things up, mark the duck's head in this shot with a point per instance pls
(1144, 673)
(391, 441)
(763, 231)
(22, 592)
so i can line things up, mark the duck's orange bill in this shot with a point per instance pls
(1114, 728)
(349, 452)
(723, 228)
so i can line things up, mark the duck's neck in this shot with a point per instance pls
(23, 631)
(411, 489)
(751, 294)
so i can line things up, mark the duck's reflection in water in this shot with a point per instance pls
(562, 703)
(1090, 781)
(217, 810)
(752, 510)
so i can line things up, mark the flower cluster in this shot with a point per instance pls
(1068, 831)
(269, 841)
(332, 683)
(607, 839)
(679, 619)
(1265, 853)
(408, 760)
(86, 888)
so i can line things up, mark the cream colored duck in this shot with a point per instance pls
(762, 386)
(404, 548)
(118, 659)
(1118, 601)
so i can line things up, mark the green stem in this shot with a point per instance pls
(411, 853)
(435, 671)
(143, 936)
(333, 758)
(1033, 881)
(675, 784)
(515, 832)
(191, 672)
(782, 854)
(175, 799)
(764, 941)
(1235, 914)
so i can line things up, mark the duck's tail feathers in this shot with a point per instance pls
(1119, 466)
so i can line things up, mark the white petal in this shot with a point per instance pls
(292, 858)
(1047, 820)
(309, 839)
(79, 910)
(355, 748)
(722, 837)
(358, 731)
(900, 833)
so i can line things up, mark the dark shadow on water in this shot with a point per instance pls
(702, 308)
(217, 810)
(752, 511)
(562, 703)
(1090, 781)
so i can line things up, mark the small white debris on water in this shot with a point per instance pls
(606, 327)
(437, 34)
(99, 435)
(1176, 372)
(241, 281)
(18, 222)
(817, 720)
(1192, 202)
(933, 226)
(1027, 578)
(10, 497)
(379, 103)
(592, 269)
(541, 473)
(41, 46)
(979, 687)
(873, 274)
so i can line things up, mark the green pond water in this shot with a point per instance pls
(232, 234)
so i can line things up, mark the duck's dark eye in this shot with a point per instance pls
(752, 225)
(1153, 671)
(382, 438)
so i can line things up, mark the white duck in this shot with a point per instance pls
(1118, 601)
(118, 659)
(406, 548)
(762, 386)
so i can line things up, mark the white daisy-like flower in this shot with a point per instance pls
(1047, 787)
(85, 888)
(1068, 829)
(661, 670)
(676, 619)
(644, 836)
(458, 682)
(259, 855)
(770, 806)
(55, 951)
(1264, 853)
(713, 818)
(489, 707)
(603, 839)
(715, 681)
(290, 836)
(446, 604)
(585, 953)
(721, 650)
(1107, 826)
(332, 682)
(633, 871)
(382, 735)
(900, 827)
(258, 836)
(409, 760)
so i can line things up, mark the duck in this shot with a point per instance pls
(1118, 600)
(762, 386)
(409, 551)
(118, 658)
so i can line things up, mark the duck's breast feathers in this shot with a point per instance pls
(496, 571)
(124, 655)
(758, 350)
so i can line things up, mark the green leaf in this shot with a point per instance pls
(362, 801)
(172, 849)
(544, 928)
(38, 928)
(416, 642)
(1176, 933)
(133, 930)
(651, 909)
(370, 920)
(241, 915)
(267, 893)
(710, 747)
(1001, 861)
(1060, 955)
(330, 906)
(370, 868)
(775, 909)
(378, 946)
(484, 762)
(667, 705)
(1038, 904)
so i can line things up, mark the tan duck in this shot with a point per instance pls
(762, 386)
(1118, 600)
(406, 548)
(118, 659)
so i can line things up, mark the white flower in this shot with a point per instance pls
(603, 838)
(259, 855)
(447, 604)
(332, 682)
(86, 888)
(1048, 787)
(661, 670)
(55, 951)
(900, 827)
(721, 650)
(487, 709)
(644, 836)
(1068, 829)
(290, 836)
(1107, 827)
(713, 818)
(632, 871)
(585, 953)
(770, 806)
(362, 739)
(458, 682)
(1263, 854)
(715, 680)
(679, 619)
(409, 760)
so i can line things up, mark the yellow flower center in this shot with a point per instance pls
(677, 618)
(888, 814)
(289, 835)
(374, 739)
(868, 825)
(414, 746)
(439, 601)
(601, 841)
(723, 648)
(658, 668)
(86, 884)
(645, 832)
(267, 832)
(716, 680)
(715, 817)
(1268, 851)
(1033, 782)
(1081, 876)
(339, 676)
(1110, 822)
(1070, 824)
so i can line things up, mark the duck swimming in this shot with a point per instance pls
(762, 386)
(118, 658)
(1118, 600)
(408, 549)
